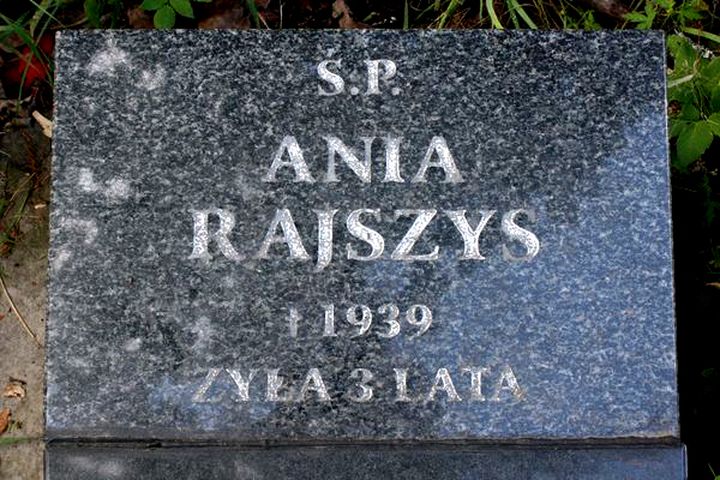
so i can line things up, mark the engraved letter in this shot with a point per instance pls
(274, 384)
(470, 237)
(401, 385)
(445, 383)
(519, 234)
(402, 251)
(392, 160)
(367, 391)
(296, 161)
(325, 238)
(332, 78)
(294, 318)
(205, 385)
(290, 236)
(314, 382)
(368, 235)
(508, 382)
(243, 383)
(373, 68)
(336, 147)
(476, 382)
(202, 237)
(329, 324)
(445, 161)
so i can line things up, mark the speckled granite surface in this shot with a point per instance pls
(191, 278)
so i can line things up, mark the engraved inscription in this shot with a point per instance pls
(360, 321)
(282, 234)
(397, 233)
(290, 162)
(332, 83)
(469, 384)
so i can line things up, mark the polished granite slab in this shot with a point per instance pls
(364, 462)
(360, 236)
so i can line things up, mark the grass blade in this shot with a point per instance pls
(253, 12)
(406, 16)
(494, 20)
(41, 8)
(517, 8)
(16, 28)
(448, 13)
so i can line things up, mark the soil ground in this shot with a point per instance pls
(25, 275)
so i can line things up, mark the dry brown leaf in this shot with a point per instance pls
(44, 123)
(139, 18)
(14, 389)
(231, 18)
(342, 12)
(4, 419)
(613, 8)
(713, 284)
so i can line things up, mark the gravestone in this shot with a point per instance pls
(361, 254)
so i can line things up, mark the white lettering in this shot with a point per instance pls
(332, 78)
(445, 161)
(290, 236)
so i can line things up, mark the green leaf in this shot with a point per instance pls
(203, 1)
(690, 10)
(715, 99)
(710, 74)
(711, 69)
(164, 17)
(92, 12)
(683, 54)
(714, 123)
(689, 14)
(589, 22)
(677, 127)
(153, 4)
(645, 20)
(651, 12)
(683, 94)
(182, 7)
(635, 17)
(689, 113)
(693, 142)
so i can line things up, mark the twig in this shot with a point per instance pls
(17, 313)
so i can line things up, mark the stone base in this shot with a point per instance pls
(73, 461)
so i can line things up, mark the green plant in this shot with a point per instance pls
(667, 14)
(585, 21)
(715, 477)
(166, 10)
(694, 93)
(500, 14)
(95, 10)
